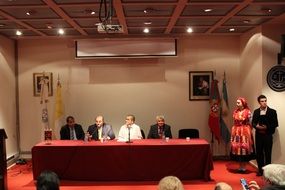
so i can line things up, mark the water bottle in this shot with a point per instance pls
(86, 137)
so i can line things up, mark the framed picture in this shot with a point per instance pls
(199, 85)
(39, 79)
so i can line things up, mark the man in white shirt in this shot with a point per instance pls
(129, 130)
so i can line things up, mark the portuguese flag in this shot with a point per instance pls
(215, 108)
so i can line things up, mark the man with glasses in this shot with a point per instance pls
(160, 129)
(264, 121)
(129, 130)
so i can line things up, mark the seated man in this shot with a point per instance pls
(72, 130)
(160, 129)
(100, 130)
(129, 127)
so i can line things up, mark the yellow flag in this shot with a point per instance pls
(59, 112)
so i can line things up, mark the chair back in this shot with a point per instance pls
(192, 133)
(143, 135)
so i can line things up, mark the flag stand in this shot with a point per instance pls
(212, 144)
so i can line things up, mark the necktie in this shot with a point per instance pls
(160, 132)
(71, 133)
(100, 133)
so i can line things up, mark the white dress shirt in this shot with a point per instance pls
(135, 133)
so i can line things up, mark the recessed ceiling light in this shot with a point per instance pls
(208, 10)
(147, 22)
(60, 31)
(89, 11)
(18, 33)
(2, 24)
(145, 11)
(246, 21)
(232, 29)
(49, 25)
(30, 12)
(189, 30)
(266, 10)
(146, 30)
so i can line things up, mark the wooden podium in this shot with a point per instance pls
(3, 160)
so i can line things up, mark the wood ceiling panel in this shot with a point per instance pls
(164, 17)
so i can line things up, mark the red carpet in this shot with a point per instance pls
(20, 178)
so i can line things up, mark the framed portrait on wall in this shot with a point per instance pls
(199, 85)
(38, 79)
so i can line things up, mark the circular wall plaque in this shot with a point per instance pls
(276, 78)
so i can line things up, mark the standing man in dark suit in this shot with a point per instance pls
(160, 129)
(264, 121)
(72, 130)
(100, 130)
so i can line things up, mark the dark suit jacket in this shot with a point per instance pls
(153, 132)
(106, 131)
(270, 120)
(65, 132)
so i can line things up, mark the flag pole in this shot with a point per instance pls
(212, 138)
(212, 144)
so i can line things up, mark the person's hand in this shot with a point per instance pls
(253, 185)
(261, 127)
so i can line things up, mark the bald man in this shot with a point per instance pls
(101, 130)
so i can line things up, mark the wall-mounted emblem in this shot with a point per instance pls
(276, 78)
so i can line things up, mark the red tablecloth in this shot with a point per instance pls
(149, 159)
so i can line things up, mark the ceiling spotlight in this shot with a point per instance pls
(145, 11)
(189, 30)
(246, 21)
(2, 24)
(208, 10)
(60, 31)
(232, 29)
(266, 10)
(31, 12)
(18, 33)
(49, 25)
(89, 11)
(146, 30)
(147, 22)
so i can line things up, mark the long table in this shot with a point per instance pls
(148, 159)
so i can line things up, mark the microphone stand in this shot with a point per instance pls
(129, 135)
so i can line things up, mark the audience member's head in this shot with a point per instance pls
(274, 173)
(170, 183)
(223, 186)
(48, 180)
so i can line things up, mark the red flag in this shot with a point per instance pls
(215, 105)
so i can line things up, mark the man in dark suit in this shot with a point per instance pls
(264, 121)
(72, 130)
(100, 130)
(160, 129)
